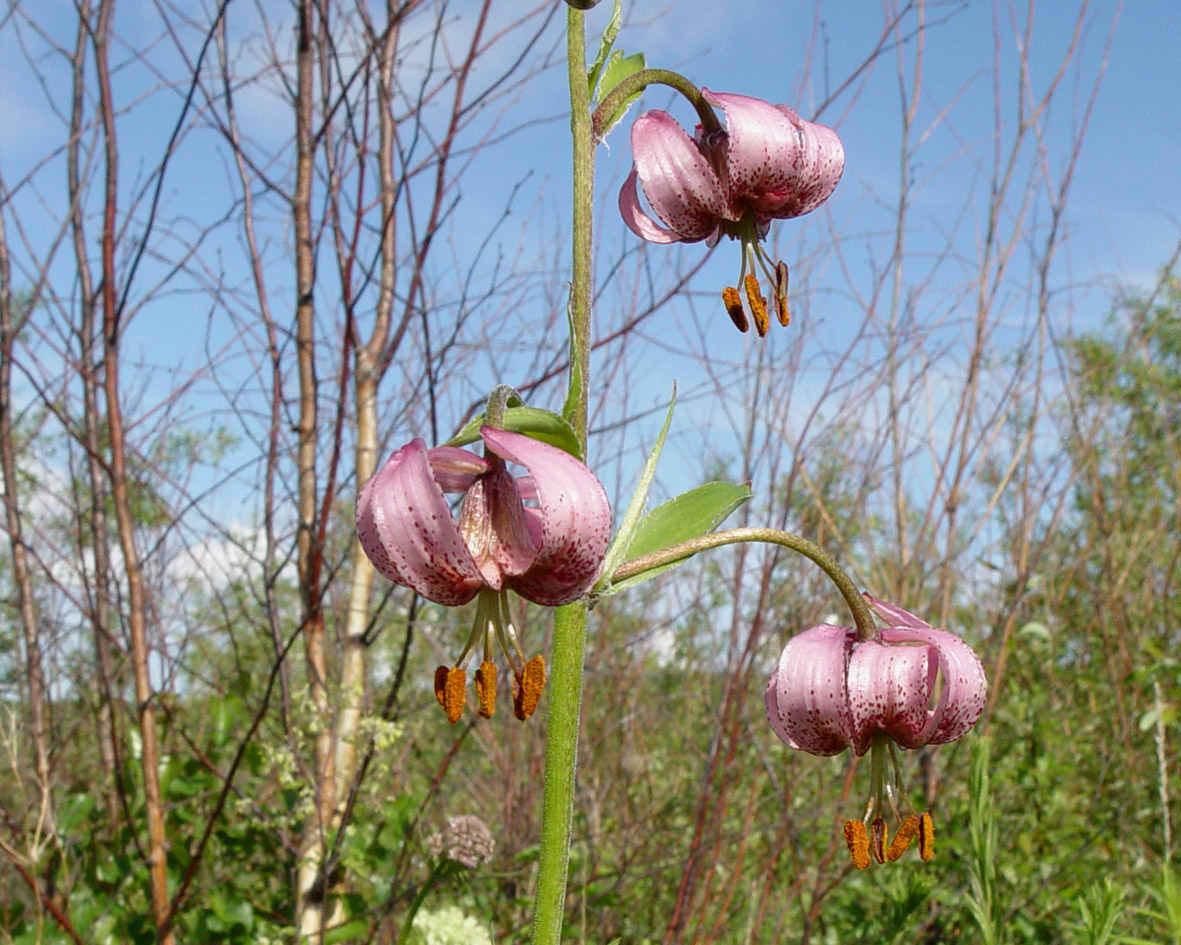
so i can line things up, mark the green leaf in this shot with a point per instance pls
(605, 44)
(619, 67)
(1035, 630)
(635, 508)
(690, 515)
(531, 421)
(75, 812)
(574, 389)
(342, 933)
(228, 719)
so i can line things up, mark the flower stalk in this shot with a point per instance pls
(617, 98)
(569, 644)
(862, 617)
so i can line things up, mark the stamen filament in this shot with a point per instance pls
(507, 635)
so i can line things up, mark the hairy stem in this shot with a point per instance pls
(565, 700)
(616, 99)
(862, 618)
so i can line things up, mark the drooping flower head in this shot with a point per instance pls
(769, 165)
(912, 686)
(542, 535)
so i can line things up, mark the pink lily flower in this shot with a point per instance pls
(542, 535)
(770, 165)
(831, 691)
(549, 554)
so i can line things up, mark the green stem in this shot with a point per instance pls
(502, 396)
(408, 922)
(565, 690)
(617, 98)
(862, 618)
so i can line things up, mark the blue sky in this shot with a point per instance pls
(1123, 220)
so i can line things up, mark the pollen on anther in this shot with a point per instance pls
(857, 840)
(486, 688)
(758, 304)
(733, 302)
(450, 684)
(879, 834)
(906, 831)
(782, 312)
(527, 686)
(926, 837)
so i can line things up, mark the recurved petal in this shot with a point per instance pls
(778, 164)
(893, 615)
(890, 691)
(571, 525)
(821, 164)
(806, 701)
(965, 686)
(456, 469)
(405, 528)
(681, 186)
(637, 220)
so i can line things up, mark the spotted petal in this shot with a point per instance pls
(889, 691)
(965, 686)
(777, 164)
(405, 527)
(570, 526)
(681, 186)
(806, 700)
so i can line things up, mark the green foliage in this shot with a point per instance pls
(531, 421)
(984, 902)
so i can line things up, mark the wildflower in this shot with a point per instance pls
(912, 686)
(466, 841)
(542, 535)
(770, 165)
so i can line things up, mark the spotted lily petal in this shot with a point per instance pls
(777, 164)
(456, 469)
(889, 691)
(681, 186)
(405, 527)
(965, 685)
(806, 701)
(571, 525)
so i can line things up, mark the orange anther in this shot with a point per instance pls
(906, 831)
(878, 834)
(781, 310)
(527, 686)
(758, 304)
(486, 688)
(926, 837)
(449, 690)
(857, 840)
(733, 303)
